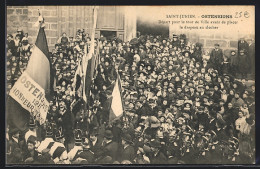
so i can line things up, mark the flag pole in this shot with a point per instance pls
(85, 60)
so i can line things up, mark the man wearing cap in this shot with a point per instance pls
(85, 153)
(108, 148)
(157, 157)
(95, 140)
(127, 151)
(216, 58)
(31, 154)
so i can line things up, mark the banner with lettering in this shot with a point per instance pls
(31, 96)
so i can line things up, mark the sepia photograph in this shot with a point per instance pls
(130, 85)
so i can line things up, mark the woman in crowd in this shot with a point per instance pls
(180, 108)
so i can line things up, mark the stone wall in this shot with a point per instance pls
(58, 19)
(17, 17)
(50, 16)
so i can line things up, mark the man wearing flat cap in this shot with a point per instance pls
(109, 148)
(157, 157)
(95, 140)
(127, 151)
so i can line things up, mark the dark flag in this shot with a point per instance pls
(30, 94)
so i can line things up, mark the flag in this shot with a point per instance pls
(116, 110)
(97, 59)
(77, 81)
(89, 62)
(31, 93)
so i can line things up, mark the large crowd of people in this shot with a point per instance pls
(181, 106)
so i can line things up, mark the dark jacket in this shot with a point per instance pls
(97, 146)
(86, 154)
(216, 57)
(158, 159)
(127, 154)
(109, 149)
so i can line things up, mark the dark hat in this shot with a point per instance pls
(94, 131)
(151, 100)
(107, 60)
(108, 134)
(14, 131)
(155, 144)
(216, 44)
(188, 102)
(127, 137)
(200, 108)
(49, 131)
(178, 86)
(142, 63)
(32, 123)
(78, 136)
(32, 139)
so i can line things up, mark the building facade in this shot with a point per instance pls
(111, 20)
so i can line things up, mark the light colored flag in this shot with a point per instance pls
(116, 110)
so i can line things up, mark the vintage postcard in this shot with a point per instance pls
(130, 85)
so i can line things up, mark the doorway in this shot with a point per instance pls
(108, 34)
